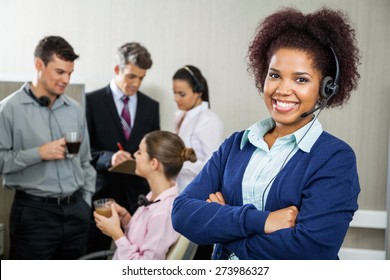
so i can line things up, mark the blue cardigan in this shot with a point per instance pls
(323, 184)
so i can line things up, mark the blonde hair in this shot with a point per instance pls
(170, 150)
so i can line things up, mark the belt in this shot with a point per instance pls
(50, 200)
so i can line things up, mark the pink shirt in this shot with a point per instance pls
(149, 234)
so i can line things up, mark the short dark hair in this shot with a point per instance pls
(315, 33)
(134, 53)
(54, 45)
(183, 74)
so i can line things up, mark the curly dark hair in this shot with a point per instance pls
(315, 33)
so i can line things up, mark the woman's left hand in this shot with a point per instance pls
(280, 219)
(109, 226)
(216, 197)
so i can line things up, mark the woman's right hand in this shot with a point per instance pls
(119, 157)
(283, 218)
(109, 226)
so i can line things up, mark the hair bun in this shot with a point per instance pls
(188, 154)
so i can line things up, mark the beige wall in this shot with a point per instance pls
(213, 35)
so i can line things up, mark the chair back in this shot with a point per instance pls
(183, 249)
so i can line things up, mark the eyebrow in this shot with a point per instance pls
(63, 70)
(136, 76)
(295, 73)
(302, 73)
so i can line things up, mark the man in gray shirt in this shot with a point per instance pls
(50, 214)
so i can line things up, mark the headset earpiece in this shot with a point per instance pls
(143, 201)
(44, 101)
(326, 85)
(329, 87)
(198, 87)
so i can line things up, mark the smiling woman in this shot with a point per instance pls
(283, 188)
(291, 89)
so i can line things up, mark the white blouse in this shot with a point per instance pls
(201, 130)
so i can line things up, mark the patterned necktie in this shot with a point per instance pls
(125, 118)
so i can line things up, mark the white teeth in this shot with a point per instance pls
(284, 104)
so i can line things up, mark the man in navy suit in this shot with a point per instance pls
(107, 125)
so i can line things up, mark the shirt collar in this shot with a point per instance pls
(305, 137)
(172, 191)
(61, 99)
(194, 111)
(118, 93)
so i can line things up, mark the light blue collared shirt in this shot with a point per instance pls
(265, 163)
(23, 133)
(118, 94)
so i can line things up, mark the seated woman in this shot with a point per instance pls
(148, 234)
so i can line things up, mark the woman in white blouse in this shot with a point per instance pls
(198, 126)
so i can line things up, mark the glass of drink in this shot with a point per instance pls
(103, 206)
(73, 142)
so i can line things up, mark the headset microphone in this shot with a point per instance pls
(304, 115)
(143, 201)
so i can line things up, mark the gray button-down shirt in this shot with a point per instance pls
(24, 127)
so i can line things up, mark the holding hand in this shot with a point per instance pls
(109, 226)
(123, 214)
(53, 150)
(119, 157)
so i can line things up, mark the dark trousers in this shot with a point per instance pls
(204, 252)
(48, 230)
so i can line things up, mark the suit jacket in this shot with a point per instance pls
(105, 132)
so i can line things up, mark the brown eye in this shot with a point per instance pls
(302, 80)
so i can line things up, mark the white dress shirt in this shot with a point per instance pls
(201, 130)
(118, 94)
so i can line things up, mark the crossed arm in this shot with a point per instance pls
(280, 219)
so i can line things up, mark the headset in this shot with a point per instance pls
(143, 201)
(43, 101)
(328, 88)
(198, 85)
